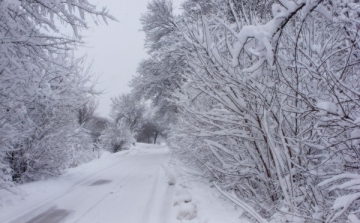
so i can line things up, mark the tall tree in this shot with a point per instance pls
(162, 74)
(125, 107)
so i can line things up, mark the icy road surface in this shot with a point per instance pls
(130, 188)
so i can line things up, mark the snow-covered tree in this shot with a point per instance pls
(161, 75)
(41, 86)
(156, 81)
(269, 104)
(129, 109)
(49, 127)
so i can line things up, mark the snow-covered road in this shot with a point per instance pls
(132, 188)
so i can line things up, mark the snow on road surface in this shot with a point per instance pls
(134, 186)
(129, 188)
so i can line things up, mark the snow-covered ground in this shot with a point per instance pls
(135, 186)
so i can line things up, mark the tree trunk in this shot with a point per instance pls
(156, 134)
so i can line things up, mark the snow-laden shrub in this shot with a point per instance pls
(269, 105)
(82, 148)
(117, 137)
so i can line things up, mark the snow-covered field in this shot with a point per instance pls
(135, 186)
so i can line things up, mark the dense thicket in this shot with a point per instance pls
(42, 87)
(267, 100)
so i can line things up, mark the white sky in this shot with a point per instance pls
(117, 48)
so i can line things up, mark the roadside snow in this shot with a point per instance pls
(196, 201)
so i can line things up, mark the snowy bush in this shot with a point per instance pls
(117, 137)
(82, 149)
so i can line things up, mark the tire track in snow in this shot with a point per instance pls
(159, 204)
(149, 205)
(89, 210)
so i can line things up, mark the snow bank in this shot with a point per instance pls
(186, 211)
(171, 176)
(204, 204)
(182, 196)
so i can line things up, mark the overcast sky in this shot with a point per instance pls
(116, 49)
